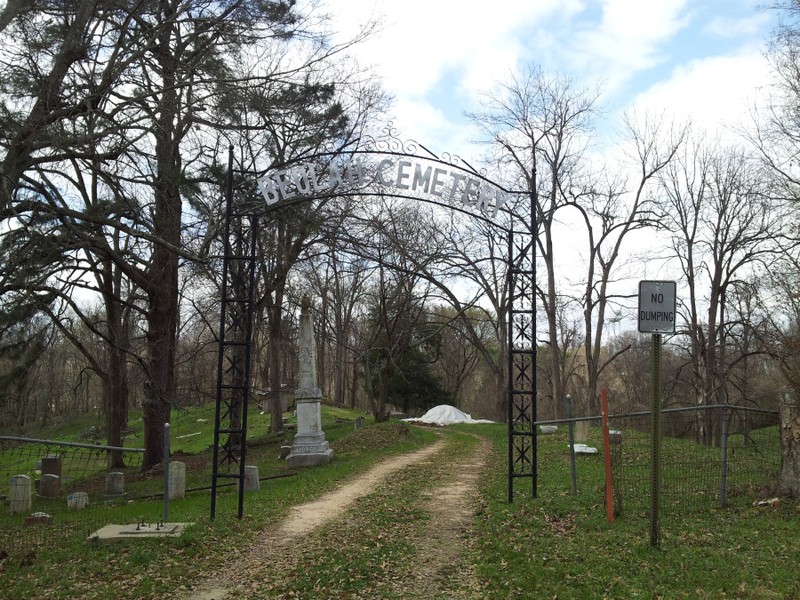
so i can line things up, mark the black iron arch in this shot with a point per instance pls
(389, 167)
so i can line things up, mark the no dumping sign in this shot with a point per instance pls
(656, 307)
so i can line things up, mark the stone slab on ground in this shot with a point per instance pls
(132, 531)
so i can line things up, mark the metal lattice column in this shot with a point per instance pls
(234, 347)
(522, 357)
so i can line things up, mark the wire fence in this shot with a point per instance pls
(709, 456)
(55, 490)
(50, 488)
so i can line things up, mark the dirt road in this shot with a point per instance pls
(438, 543)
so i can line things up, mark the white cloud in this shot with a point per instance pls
(435, 56)
(714, 93)
(732, 27)
(629, 38)
(644, 22)
(424, 42)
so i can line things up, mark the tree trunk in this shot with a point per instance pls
(162, 274)
(159, 388)
(789, 482)
(500, 370)
(162, 325)
(115, 382)
(117, 404)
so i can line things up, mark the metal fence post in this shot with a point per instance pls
(571, 428)
(166, 472)
(723, 478)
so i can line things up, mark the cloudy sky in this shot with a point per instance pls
(702, 58)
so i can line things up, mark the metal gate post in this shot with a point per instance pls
(521, 332)
(234, 347)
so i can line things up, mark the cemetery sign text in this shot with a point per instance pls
(403, 175)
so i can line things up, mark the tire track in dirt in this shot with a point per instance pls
(440, 563)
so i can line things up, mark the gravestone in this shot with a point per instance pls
(21, 494)
(51, 465)
(582, 432)
(50, 486)
(251, 481)
(115, 484)
(78, 500)
(309, 447)
(177, 479)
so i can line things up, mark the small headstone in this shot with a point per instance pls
(21, 493)
(548, 429)
(285, 451)
(78, 500)
(50, 486)
(251, 482)
(177, 479)
(115, 484)
(584, 449)
(51, 464)
(359, 422)
(581, 432)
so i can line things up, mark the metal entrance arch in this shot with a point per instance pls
(389, 167)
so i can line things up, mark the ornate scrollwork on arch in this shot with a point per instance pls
(457, 161)
(390, 142)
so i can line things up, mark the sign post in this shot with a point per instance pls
(656, 315)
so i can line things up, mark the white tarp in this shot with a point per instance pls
(444, 414)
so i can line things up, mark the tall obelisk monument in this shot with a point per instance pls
(310, 447)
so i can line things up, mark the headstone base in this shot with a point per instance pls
(311, 459)
(309, 450)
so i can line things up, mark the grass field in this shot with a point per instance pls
(556, 545)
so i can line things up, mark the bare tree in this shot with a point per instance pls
(397, 342)
(539, 127)
(724, 229)
(460, 357)
(610, 211)
(468, 268)
(777, 139)
(338, 277)
(779, 336)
